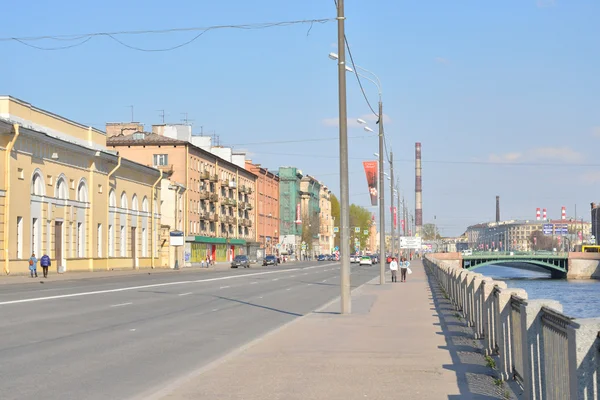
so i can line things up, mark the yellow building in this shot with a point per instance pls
(63, 193)
(326, 221)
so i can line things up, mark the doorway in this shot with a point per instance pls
(58, 245)
(133, 247)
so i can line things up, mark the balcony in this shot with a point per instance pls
(242, 189)
(204, 195)
(213, 217)
(225, 183)
(230, 219)
(166, 169)
(214, 178)
(213, 197)
(249, 206)
(229, 202)
(204, 216)
(242, 206)
(205, 175)
(249, 190)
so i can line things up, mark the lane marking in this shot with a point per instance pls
(253, 283)
(324, 280)
(215, 309)
(288, 289)
(121, 305)
(185, 294)
(276, 279)
(132, 330)
(125, 289)
(224, 287)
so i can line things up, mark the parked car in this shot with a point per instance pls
(270, 260)
(354, 258)
(375, 259)
(322, 257)
(240, 261)
(366, 260)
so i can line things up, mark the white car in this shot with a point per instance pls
(354, 259)
(366, 260)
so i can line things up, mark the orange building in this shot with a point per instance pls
(267, 208)
(218, 198)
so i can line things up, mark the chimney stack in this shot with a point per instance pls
(537, 214)
(563, 213)
(497, 208)
(544, 215)
(418, 191)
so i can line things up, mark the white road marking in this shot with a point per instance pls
(324, 280)
(132, 330)
(276, 279)
(125, 289)
(260, 297)
(185, 294)
(224, 287)
(253, 283)
(288, 289)
(121, 305)
(293, 276)
(215, 309)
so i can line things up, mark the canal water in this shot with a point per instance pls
(580, 298)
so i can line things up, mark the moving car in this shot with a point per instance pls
(366, 260)
(240, 260)
(375, 259)
(270, 260)
(322, 257)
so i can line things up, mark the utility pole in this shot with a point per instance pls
(392, 203)
(398, 213)
(344, 185)
(382, 257)
(131, 112)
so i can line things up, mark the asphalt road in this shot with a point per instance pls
(123, 337)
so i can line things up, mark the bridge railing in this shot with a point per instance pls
(551, 355)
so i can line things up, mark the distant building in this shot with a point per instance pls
(326, 221)
(290, 210)
(267, 211)
(310, 188)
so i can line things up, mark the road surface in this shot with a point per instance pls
(123, 337)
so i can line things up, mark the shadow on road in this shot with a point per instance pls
(258, 305)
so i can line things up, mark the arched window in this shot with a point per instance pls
(82, 192)
(145, 204)
(124, 200)
(112, 197)
(61, 189)
(134, 203)
(37, 184)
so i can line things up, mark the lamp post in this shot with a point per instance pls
(377, 83)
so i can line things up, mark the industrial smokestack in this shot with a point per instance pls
(537, 214)
(497, 208)
(563, 213)
(418, 191)
(544, 215)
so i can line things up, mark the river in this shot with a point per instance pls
(580, 298)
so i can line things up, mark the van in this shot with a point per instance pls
(468, 252)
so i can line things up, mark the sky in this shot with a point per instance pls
(503, 95)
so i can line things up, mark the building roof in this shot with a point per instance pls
(142, 139)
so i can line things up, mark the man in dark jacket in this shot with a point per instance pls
(45, 263)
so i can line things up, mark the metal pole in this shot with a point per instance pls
(391, 200)
(381, 200)
(398, 214)
(344, 186)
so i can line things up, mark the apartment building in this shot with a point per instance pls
(326, 221)
(65, 194)
(218, 196)
(267, 209)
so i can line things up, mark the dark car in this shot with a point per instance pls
(240, 261)
(270, 260)
(321, 257)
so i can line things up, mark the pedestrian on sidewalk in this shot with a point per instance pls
(45, 263)
(394, 269)
(403, 269)
(33, 265)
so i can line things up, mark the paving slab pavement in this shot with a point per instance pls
(402, 341)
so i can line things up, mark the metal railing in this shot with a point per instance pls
(516, 338)
(555, 328)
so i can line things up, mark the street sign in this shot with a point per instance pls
(303, 246)
(336, 229)
(336, 248)
(357, 229)
(278, 245)
(547, 229)
(561, 229)
(366, 232)
(410, 242)
(176, 238)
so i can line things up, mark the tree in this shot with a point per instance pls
(539, 241)
(430, 232)
(360, 218)
(335, 214)
(310, 231)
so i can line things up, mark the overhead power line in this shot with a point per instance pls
(86, 37)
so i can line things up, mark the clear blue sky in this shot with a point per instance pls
(483, 85)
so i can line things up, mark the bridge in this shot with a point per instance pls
(557, 263)
(571, 265)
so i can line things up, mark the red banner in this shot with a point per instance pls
(395, 214)
(402, 222)
(371, 172)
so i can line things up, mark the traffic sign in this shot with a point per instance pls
(336, 229)
(357, 229)
(410, 242)
(366, 232)
(336, 248)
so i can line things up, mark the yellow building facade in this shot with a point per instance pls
(64, 194)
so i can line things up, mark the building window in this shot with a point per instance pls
(144, 243)
(161, 159)
(99, 188)
(111, 241)
(35, 242)
(20, 173)
(19, 237)
(80, 239)
(123, 241)
(99, 240)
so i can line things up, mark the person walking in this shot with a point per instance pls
(403, 269)
(45, 263)
(394, 269)
(33, 265)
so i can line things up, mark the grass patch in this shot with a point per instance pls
(490, 362)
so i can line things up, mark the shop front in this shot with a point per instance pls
(198, 248)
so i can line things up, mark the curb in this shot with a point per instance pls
(170, 388)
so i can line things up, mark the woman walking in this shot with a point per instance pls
(404, 269)
(394, 269)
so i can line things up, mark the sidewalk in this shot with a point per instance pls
(401, 341)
